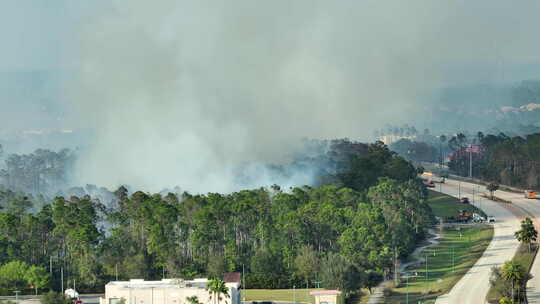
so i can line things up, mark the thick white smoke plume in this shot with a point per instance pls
(184, 92)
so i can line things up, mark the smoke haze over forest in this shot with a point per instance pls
(186, 92)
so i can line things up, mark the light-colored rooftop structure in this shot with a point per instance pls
(327, 296)
(166, 291)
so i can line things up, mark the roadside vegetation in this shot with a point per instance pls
(499, 158)
(447, 207)
(447, 263)
(510, 280)
(458, 250)
(341, 234)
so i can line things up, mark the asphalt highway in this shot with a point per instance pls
(474, 285)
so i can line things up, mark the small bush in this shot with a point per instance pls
(54, 298)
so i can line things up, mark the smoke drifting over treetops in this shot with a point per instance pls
(184, 92)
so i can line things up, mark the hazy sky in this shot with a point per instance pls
(181, 92)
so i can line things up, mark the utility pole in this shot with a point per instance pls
(459, 189)
(50, 265)
(470, 161)
(294, 294)
(116, 270)
(395, 267)
(427, 275)
(62, 278)
(480, 198)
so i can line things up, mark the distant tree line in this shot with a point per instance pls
(40, 172)
(512, 161)
(344, 233)
(416, 151)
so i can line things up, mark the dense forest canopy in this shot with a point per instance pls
(509, 160)
(368, 208)
(512, 161)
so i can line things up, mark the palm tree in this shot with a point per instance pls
(527, 234)
(193, 300)
(513, 272)
(217, 288)
(492, 187)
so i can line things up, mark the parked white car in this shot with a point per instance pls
(477, 218)
(491, 219)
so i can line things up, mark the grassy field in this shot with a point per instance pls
(447, 263)
(278, 295)
(446, 206)
(525, 259)
(441, 277)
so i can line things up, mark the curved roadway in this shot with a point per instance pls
(532, 207)
(474, 285)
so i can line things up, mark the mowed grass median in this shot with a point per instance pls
(459, 249)
(447, 206)
(447, 262)
(278, 295)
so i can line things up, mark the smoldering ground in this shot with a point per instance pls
(185, 92)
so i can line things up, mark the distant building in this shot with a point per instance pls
(389, 139)
(166, 291)
(327, 296)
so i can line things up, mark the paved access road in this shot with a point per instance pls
(474, 285)
(532, 207)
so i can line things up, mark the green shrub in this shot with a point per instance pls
(54, 298)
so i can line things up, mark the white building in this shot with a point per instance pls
(390, 139)
(167, 291)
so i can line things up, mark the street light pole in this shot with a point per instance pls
(407, 294)
(294, 293)
(427, 274)
(17, 296)
(453, 263)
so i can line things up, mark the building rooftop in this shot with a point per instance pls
(165, 283)
(324, 292)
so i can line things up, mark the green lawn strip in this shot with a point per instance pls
(525, 259)
(441, 278)
(446, 206)
(278, 295)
